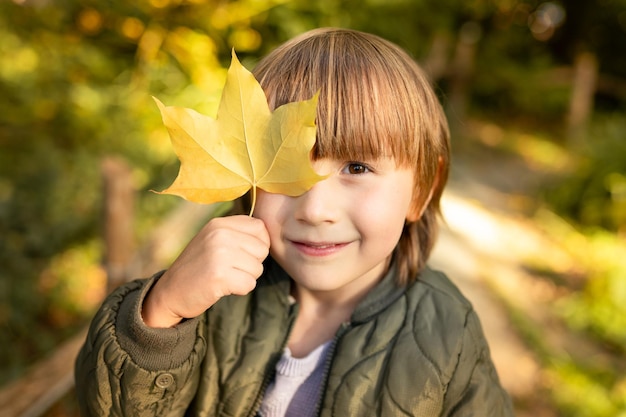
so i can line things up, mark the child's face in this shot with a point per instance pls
(338, 237)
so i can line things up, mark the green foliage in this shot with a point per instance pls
(581, 392)
(523, 86)
(593, 192)
(587, 384)
(600, 308)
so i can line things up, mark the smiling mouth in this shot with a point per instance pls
(318, 249)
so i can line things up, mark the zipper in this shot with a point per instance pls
(269, 376)
(328, 364)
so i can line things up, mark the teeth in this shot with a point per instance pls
(322, 246)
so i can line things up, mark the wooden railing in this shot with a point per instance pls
(46, 382)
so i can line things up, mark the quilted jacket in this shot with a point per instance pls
(416, 351)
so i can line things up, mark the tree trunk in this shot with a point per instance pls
(462, 71)
(581, 101)
(436, 62)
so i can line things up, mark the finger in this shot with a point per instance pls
(244, 233)
(250, 225)
(250, 265)
(254, 247)
(223, 243)
(241, 283)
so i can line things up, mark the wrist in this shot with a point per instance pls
(155, 313)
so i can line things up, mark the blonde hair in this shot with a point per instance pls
(374, 101)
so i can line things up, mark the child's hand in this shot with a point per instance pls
(225, 257)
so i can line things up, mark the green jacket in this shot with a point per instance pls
(416, 351)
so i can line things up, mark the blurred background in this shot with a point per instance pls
(536, 208)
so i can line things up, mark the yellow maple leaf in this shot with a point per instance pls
(245, 147)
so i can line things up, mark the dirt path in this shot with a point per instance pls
(482, 247)
(465, 260)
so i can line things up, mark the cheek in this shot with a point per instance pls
(399, 198)
(269, 208)
(385, 216)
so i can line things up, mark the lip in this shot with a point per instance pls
(318, 249)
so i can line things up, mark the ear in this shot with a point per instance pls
(417, 207)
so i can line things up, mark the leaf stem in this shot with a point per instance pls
(253, 200)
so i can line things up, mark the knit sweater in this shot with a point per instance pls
(296, 387)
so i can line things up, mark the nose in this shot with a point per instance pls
(321, 204)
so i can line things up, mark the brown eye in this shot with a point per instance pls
(355, 168)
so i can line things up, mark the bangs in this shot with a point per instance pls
(370, 119)
(371, 99)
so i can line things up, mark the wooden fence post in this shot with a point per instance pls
(119, 208)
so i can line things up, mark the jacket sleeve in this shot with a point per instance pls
(126, 368)
(475, 389)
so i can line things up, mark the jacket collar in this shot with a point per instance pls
(379, 298)
(385, 293)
